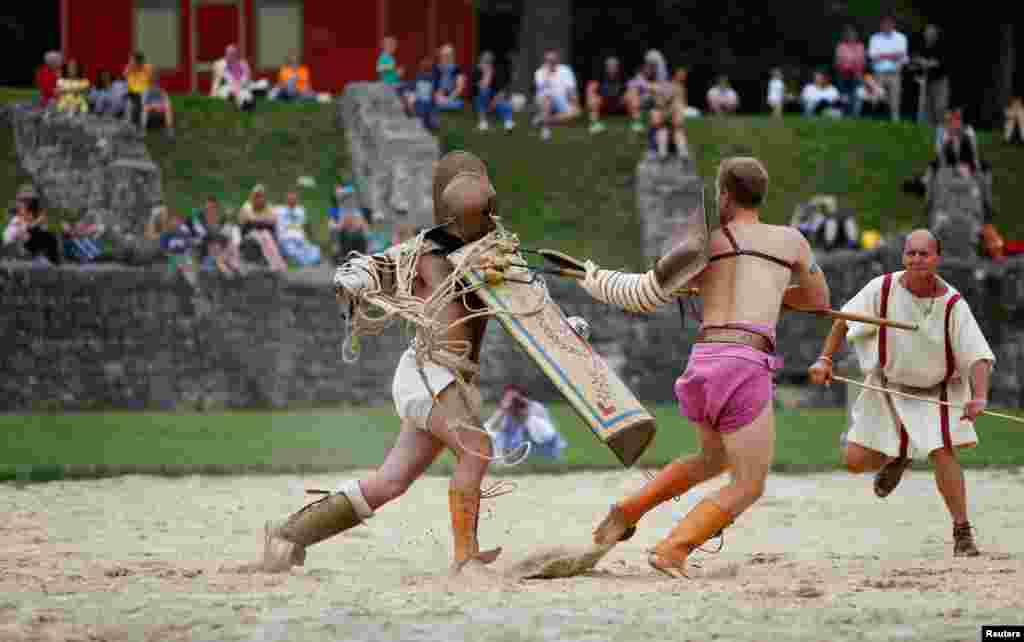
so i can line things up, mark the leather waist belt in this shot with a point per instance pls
(730, 335)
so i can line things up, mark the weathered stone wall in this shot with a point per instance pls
(667, 192)
(96, 166)
(956, 211)
(393, 155)
(136, 337)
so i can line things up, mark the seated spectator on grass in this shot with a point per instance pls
(557, 94)
(72, 89)
(388, 71)
(291, 233)
(109, 96)
(178, 242)
(956, 145)
(259, 221)
(157, 110)
(81, 241)
(776, 93)
(47, 77)
(220, 240)
(607, 95)
(520, 420)
(642, 89)
(347, 224)
(420, 102)
(489, 81)
(820, 97)
(293, 82)
(1013, 129)
(41, 243)
(138, 74)
(666, 134)
(871, 98)
(232, 79)
(450, 84)
(722, 98)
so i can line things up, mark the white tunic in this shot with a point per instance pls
(915, 363)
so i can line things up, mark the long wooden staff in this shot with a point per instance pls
(574, 268)
(908, 395)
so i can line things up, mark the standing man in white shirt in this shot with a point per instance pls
(888, 52)
(557, 95)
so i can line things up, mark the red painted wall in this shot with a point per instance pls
(100, 39)
(341, 39)
(340, 42)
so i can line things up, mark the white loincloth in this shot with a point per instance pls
(413, 400)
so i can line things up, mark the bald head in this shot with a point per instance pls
(924, 239)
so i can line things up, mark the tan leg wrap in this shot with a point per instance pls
(465, 512)
(701, 524)
(286, 541)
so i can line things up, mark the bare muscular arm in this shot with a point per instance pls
(980, 373)
(811, 290)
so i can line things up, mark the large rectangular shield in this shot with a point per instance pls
(580, 374)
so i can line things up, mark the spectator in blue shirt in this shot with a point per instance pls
(520, 420)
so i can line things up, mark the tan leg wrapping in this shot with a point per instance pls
(286, 541)
(465, 513)
(701, 524)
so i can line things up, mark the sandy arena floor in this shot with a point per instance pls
(818, 558)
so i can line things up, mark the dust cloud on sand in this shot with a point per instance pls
(141, 558)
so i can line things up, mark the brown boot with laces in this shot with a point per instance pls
(963, 541)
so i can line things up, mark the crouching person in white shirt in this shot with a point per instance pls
(821, 96)
(520, 420)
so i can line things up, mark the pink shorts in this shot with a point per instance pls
(726, 385)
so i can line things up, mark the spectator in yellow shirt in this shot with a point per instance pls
(138, 74)
(292, 81)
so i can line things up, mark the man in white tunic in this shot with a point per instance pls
(947, 359)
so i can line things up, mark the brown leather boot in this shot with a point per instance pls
(286, 542)
(963, 541)
(705, 521)
(613, 529)
(889, 476)
(465, 511)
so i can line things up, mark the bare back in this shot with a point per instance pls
(432, 270)
(749, 288)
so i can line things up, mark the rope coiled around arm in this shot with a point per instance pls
(631, 291)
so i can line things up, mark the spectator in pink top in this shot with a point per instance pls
(850, 63)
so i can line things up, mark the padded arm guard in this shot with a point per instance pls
(631, 291)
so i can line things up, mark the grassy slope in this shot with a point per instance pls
(336, 440)
(574, 193)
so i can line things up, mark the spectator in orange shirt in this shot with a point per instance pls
(139, 75)
(47, 78)
(292, 81)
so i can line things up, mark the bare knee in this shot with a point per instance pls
(859, 459)
(751, 489)
(392, 487)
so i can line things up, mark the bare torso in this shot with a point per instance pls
(432, 270)
(748, 288)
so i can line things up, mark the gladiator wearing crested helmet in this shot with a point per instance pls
(434, 392)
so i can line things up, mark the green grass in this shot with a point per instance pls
(222, 152)
(47, 446)
(576, 194)
(573, 193)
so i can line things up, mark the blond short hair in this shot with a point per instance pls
(745, 179)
